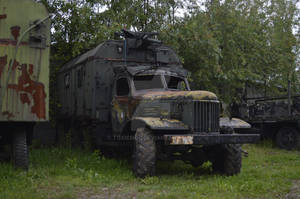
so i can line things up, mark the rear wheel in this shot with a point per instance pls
(288, 138)
(19, 149)
(144, 157)
(227, 159)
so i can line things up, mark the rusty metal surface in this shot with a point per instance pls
(27, 81)
(156, 123)
(233, 123)
(182, 140)
(211, 139)
(193, 95)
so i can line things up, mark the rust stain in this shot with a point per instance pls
(15, 31)
(3, 62)
(8, 114)
(6, 42)
(30, 69)
(28, 87)
(3, 16)
(181, 140)
(15, 64)
(24, 98)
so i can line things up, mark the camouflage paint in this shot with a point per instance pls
(27, 94)
(156, 123)
(177, 95)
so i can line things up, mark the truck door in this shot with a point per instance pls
(120, 103)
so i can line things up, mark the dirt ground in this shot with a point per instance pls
(295, 191)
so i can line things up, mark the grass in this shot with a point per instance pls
(61, 173)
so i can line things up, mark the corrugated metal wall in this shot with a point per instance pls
(24, 88)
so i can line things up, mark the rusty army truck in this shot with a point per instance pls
(135, 93)
(274, 117)
(24, 75)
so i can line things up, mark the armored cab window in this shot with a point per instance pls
(122, 87)
(175, 83)
(144, 82)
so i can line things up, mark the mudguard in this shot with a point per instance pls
(156, 123)
(234, 123)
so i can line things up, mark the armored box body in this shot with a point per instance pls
(85, 84)
(24, 61)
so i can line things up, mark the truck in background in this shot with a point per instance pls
(24, 75)
(275, 117)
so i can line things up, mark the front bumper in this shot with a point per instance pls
(207, 139)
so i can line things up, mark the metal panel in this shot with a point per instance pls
(205, 116)
(24, 77)
(208, 139)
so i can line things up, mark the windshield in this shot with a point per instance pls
(144, 82)
(175, 83)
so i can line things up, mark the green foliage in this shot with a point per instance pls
(224, 45)
(238, 41)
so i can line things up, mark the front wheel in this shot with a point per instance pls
(227, 159)
(288, 138)
(19, 149)
(144, 157)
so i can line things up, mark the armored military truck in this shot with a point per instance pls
(134, 92)
(24, 75)
(275, 117)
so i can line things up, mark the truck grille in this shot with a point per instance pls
(206, 116)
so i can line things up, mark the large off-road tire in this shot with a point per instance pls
(227, 159)
(20, 149)
(144, 157)
(288, 138)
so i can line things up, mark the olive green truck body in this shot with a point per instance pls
(24, 71)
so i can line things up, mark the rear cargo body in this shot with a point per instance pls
(24, 75)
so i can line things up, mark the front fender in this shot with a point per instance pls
(155, 123)
(234, 123)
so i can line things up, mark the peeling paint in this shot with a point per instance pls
(27, 95)
(181, 140)
(26, 86)
(8, 115)
(3, 62)
(3, 16)
(158, 123)
(15, 31)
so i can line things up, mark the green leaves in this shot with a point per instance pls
(224, 44)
